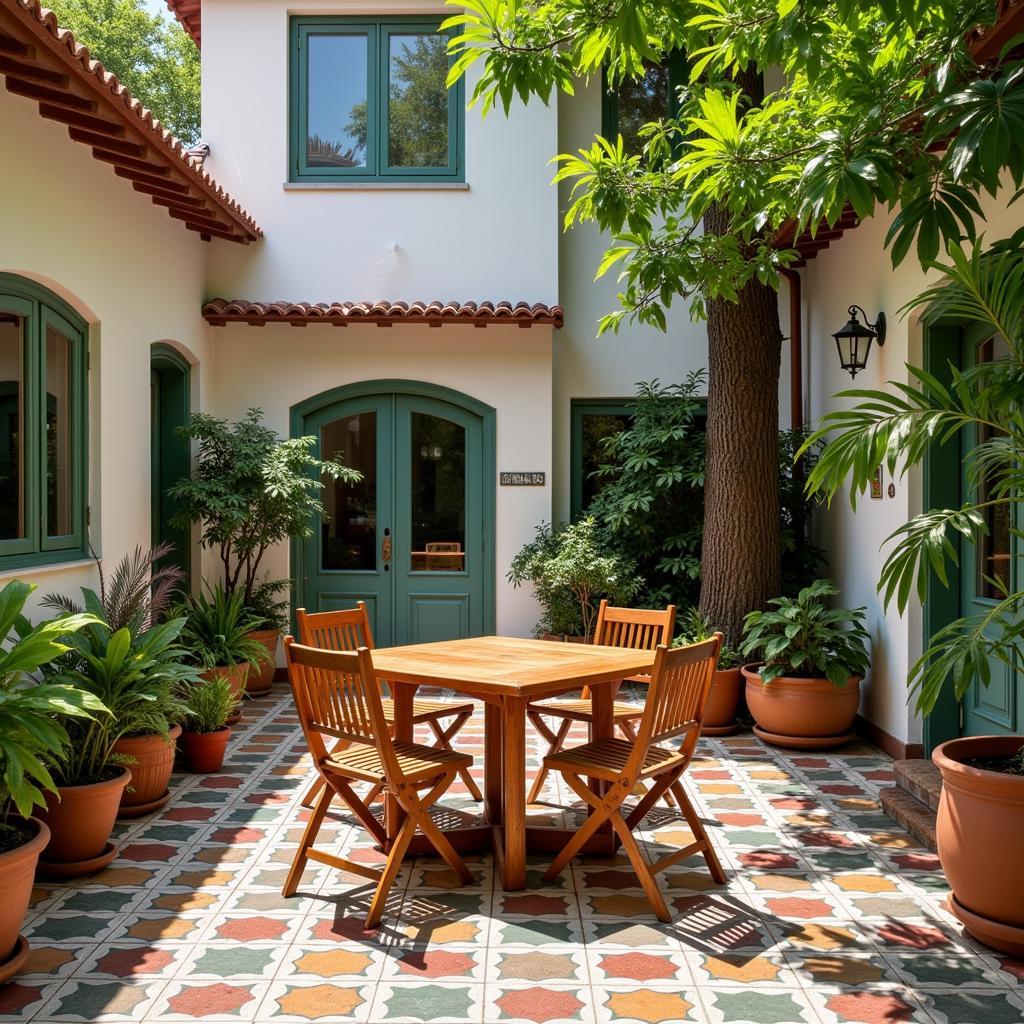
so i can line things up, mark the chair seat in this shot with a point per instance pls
(583, 710)
(607, 759)
(425, 710)
(415, 761)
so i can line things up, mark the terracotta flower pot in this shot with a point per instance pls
(17, 871)
(261, 679)
(81, 819)
(980, 837)
(151, 765)
(723, 700)
(236, 676)
(805, 714)
(204, 751)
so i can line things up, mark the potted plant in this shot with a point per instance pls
(134, 664)
(805, 690)
(980, 824)
(205, 734)
(726, 684)
(32, 733)
(218, 637)
(251, 490)
(571, 570)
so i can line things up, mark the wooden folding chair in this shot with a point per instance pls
(636, 628)
(337, 696)
(348, 630)
(674, 708)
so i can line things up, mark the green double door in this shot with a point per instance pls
(989, 564)
(409, 538)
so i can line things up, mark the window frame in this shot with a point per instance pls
(43, 309)
(578, 409)
(678, 75)
(378, 32)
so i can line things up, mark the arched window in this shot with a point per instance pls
(43, 425)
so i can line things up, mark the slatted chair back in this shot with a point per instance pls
(640, 629)
(344, 630)
(449, 546)
(680, 683)
(337, 695)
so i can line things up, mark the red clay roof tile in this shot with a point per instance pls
(190, 15)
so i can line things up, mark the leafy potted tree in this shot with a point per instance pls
(805, 691)
(250, 491)
(980, 826)
(31, 735)
(205, 735)
(571, 571)
(726, 683)
(218, 635)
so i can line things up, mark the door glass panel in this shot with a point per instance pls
(640, 102)
(417, 100)
(337, 117)
(993, 563)
(350, 533)
(12, 418)
(58, 434)
(438, 494)
(596, 429)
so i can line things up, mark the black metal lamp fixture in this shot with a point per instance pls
(853, 340)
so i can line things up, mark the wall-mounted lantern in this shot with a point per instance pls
(853, 340)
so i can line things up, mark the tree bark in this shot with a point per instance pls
(740, 554)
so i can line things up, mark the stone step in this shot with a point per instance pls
(906, 810)
(921, 779)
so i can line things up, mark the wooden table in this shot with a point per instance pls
(506, 673)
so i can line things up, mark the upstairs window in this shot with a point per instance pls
(43, 470)
(369, 101)
(636, 102)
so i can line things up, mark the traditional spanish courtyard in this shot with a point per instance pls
(830, 914)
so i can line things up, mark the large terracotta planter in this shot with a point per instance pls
(261, 678)
(152, 762)
(17, 871)
(81, 819)
(803, 714)
(980, 837)
(723, 700)
(204, 751)
(236, 676)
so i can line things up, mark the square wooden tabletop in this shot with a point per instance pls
(512, 666)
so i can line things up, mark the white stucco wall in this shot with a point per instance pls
(508, 368)
(496, 239)
(134, 274)
(857, 269)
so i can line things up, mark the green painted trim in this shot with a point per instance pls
(42, 308)
(489, 417)
(578, 408)
(678, 75)
(942, 473)
(377, 31)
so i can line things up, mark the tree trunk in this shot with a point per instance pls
(741, 548)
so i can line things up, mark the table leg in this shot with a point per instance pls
(402, 694)
(493, 763)
(514, 810)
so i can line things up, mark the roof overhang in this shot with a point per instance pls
(219, 312)
(42, 62)
(190, 16)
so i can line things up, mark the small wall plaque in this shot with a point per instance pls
(521, 479)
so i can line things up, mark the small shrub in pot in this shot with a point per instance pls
(727, 683)
(205, 734)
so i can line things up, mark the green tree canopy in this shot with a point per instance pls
(154, 58)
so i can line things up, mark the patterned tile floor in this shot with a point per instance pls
(831, 914)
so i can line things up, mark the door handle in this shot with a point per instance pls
(385, 549)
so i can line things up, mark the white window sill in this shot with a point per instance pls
(375, 186)
(26, 572)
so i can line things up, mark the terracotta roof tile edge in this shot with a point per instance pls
(190, 18)
(83, 64)
(481, 314)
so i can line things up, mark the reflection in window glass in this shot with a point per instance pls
(596, 429)
(58, 434)
(337, 117)
(417, 100)
(438, 494)
(12, 434)
(640, 102)
(349, 537)
(993, 572)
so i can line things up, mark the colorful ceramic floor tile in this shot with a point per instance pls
(831, 914)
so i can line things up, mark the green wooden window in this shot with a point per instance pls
(591, 421)
(632, 104)
(368, 101)
(43, 426)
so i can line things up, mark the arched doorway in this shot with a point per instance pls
(170, 406)
(414, 538)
